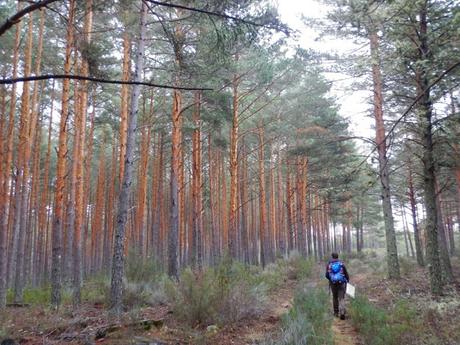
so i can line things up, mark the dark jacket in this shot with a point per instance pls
(328, 269)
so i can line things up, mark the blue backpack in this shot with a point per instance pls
(336, 275)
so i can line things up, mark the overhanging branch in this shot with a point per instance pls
(18, 16)
(98, 80)
(221, 15)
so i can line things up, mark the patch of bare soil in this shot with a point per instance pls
(344, 333)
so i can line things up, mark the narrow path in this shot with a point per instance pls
(279, 304)
(344, 333)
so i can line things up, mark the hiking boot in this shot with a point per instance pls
(342, 316)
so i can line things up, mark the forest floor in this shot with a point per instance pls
(436, 321)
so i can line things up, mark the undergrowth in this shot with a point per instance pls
(231, 291)
(382, 327)
(308, 321)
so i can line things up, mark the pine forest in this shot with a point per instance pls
(188, 172)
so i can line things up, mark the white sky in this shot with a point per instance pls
(352, 103)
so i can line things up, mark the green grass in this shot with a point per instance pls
(308, 322)
(382, 327)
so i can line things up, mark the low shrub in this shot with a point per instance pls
(142, 271)
(96, 289)
(378, 326)
(407, 265)
(298, 267)
(221, 295)
(35, 296)
(308, 322)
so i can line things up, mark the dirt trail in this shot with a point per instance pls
(344, 333)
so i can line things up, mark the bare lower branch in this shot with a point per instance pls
(97, 80)
(18, 16)
(221, 15)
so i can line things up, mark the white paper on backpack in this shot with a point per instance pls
(350, 290)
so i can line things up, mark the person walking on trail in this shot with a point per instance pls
(337, 274)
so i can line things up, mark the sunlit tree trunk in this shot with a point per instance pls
(124, 101)
(58, 214)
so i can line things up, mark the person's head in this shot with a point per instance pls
(335, 255)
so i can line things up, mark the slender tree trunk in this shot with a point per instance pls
(263, 231)
(124, 101)
(142, 192)
(58, 214)
(392, 251)
(444, 249)
(123, 201)
(27, 124)
(234, 170)
(413, 207)
(98, 214)
(244, 194)
(196, 245)
(157, 201)
(406, 231)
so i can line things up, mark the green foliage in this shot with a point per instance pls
(406, 264)
(142, 271)
(308, 322)
(35, 296)
(298, 267)
(378, 326)
(96, 289)
(229, 292)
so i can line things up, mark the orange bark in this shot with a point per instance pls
(124, 101)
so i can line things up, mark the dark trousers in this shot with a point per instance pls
(338, 295)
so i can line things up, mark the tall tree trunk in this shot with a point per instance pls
(98, 214)
(244, 194)
(124, 101)
(173, 235)
(197, 225)
(123, 201)
(429, 180)
(392, 251)
(142, 192)
(157, 201)
(22, 190)
(232, 245)
(263, 231)
(58, 214)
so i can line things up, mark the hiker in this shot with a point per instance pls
(337, 275)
